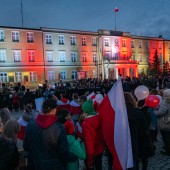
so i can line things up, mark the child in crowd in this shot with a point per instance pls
(77, 147)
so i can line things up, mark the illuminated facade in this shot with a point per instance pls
(31, 56)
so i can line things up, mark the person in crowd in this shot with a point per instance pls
(9, 156)
(82, 99)
(75, 108)
(15, 101)
(63, 103)
(78, 127)
(28, 97)
(11, 125)
(93, 137)
(88, 107)
(146, 147)
(153, 125)
(46, 141)
(27, 116)
(77, 147)
(163, 114)
(138, 130)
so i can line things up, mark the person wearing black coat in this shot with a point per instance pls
(138, 131)
(9, 156)
(45, 139)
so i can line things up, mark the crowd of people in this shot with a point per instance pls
(69, 127)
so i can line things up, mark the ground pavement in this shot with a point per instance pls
(158, 162)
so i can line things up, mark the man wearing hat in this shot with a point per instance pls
(45, 139)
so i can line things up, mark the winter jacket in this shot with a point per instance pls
(164, 115)
(63, 104)
(11, 129)
(78, 148)
(46, 140)
(9, 156)
(93, 138)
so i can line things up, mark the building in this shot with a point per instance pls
(32, 56)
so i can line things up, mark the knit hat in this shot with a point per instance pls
(69, 126)
(4, 115)
(88, 107)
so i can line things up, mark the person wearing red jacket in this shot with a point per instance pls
(94, 141)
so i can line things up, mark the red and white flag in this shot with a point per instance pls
(91, 96)
(115, 127)
(116, 9)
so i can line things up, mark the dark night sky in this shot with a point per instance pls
(139, 17)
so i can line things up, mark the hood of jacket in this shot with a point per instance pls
(44, 121)
(71, 139)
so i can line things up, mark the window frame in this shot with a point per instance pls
(30, 37)
(15, 36)
(2, 55)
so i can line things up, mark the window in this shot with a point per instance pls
(133, 56)
(160, 45)
(2, 36)
(31, 55)
(15, 36)
(106, 42)
(153, 45)
(61, 39)
(62, 56)
(140, 44)
(84, 57)
(2, 55)
(160, 57)
(63, 75)
(48, 38)
(94, 41)
(50, 56)
(141, 70)
(73, 56)
(17, 55)
(30, 37)
(147, 45)
(107, 55)
(116, 57)
(132, 44)
(33, 76)
(18, 77)
(94, 57)
(3, 77)
(140, 57)
(73, 40)
(51, 75)
(74, 74)
(123, 43)
(84, 43)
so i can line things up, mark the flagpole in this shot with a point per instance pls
(115, 20)
(22, 18)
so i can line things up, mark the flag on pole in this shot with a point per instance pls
(115, 127)
(116, 9)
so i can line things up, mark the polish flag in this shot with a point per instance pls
(91, 96)
(115, 127)
(116, 9)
